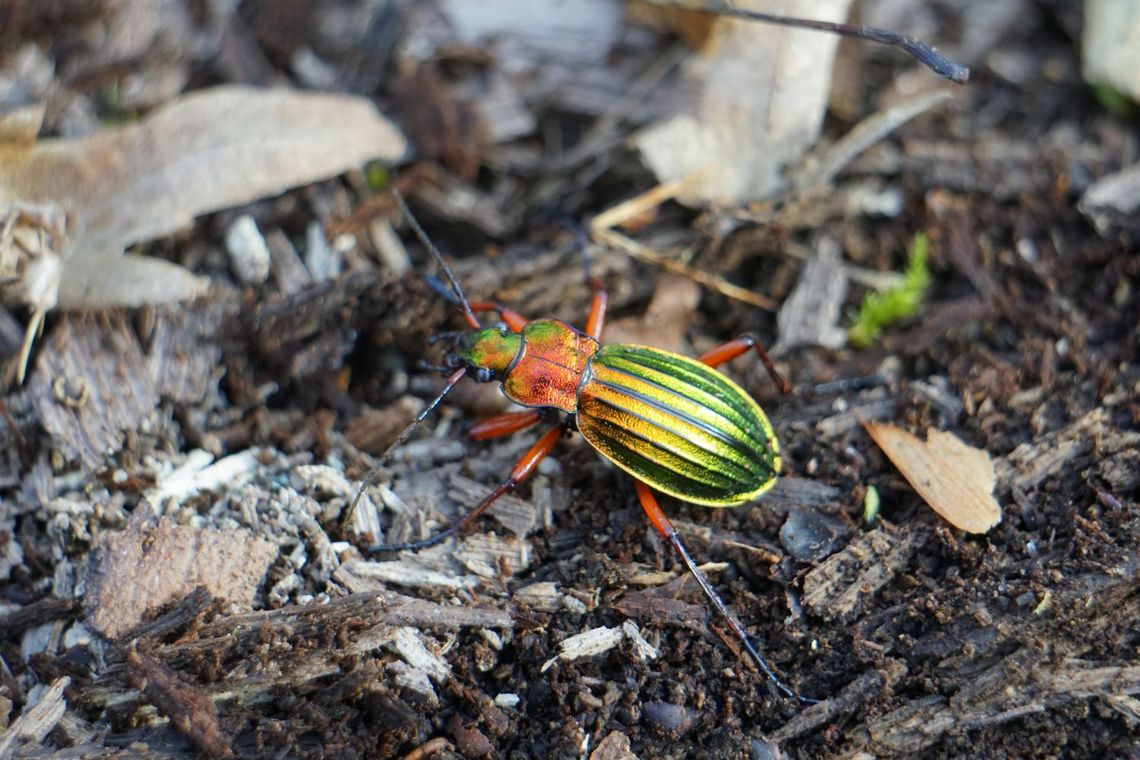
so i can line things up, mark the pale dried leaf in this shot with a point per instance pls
(1110, 49)
(99, 282)
(956, 480)
(21, 125)
(210, 150)
(763, 95)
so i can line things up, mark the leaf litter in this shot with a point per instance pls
(206, 151)
(1011, 642)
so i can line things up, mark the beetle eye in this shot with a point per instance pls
(483, 375)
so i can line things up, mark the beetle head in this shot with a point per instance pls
(488, 352)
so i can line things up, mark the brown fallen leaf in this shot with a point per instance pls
(956, 480)
(741, 144)
(665, 320)
(209, 150)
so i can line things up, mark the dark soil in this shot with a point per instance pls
(919, 639)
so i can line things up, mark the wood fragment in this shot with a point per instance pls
(1033, 462)
(586, 644)
(863, 689)
(411, 574)
(615, 746)
(491, 557)
(155, 562)
(89, 385)
(38, 720)
(810, 315)
(543, 596)
(845, 581)
(190, 709)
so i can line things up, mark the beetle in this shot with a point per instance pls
(673, 423)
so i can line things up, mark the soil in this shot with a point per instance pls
(919, 639)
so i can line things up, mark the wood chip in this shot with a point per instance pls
(845, 582)
(155, 562)
(1033, 462)
(956, 480)
(586, 644)
(37, 720)
(90, 384)
(408, 573)
(810, 315)
(615, 746)
(491, 557)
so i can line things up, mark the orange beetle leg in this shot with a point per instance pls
(739, 347)
(515, 321)
(502, 425)
(521, 471)
(669, 533)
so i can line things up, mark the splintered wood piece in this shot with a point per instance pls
(956, 480)
(155, 562)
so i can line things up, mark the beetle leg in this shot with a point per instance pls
(596, 320)
(522, 469)
(669, 533)
(502, 425)
(514, 320)
(738, 347)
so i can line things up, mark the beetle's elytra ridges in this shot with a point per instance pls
(677, 424)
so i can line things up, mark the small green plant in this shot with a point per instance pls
(899, 302)
(377, 176)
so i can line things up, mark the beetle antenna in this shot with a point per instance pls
(416, 228)
(404, 434)
(919, 50)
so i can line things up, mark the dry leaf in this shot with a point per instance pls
(956, 480)
(210, 150)
(1110, 49)
(763, 95)
(207, 151)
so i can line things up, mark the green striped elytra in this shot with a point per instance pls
(677, 425)
(674, 423)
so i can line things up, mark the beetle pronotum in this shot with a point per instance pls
(673, 423)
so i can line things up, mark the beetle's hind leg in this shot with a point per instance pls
(738, 347)
(666, 530)
(522, 469)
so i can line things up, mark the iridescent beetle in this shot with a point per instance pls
(673, 423)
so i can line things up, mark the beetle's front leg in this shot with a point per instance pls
(522, 469)
(515, 321)
(738, 347)
(502, 425)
